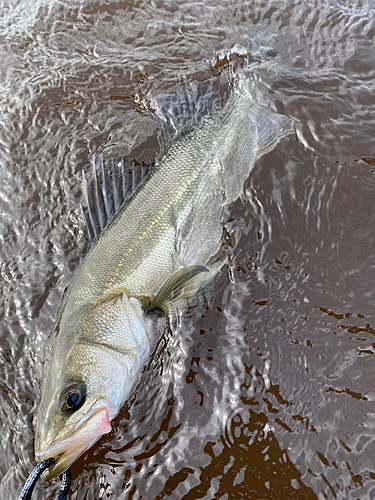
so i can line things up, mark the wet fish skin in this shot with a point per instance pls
(171, 223)
(107, 363)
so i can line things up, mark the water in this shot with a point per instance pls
(265, 388)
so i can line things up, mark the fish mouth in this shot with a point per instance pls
(66, 450)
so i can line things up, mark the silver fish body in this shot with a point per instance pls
(161, 245)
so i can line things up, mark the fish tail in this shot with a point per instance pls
(258, 82)
(271, 128)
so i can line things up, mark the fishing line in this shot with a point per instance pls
(31, 481)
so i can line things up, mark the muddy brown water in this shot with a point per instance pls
(265, 388)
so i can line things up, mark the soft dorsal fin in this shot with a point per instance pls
(183, 109)
(110, 186)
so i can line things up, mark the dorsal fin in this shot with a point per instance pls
(110, 186)
(183, 109)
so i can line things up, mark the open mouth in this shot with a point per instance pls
(66, 450)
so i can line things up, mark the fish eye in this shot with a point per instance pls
(73, 396)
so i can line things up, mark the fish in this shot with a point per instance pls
(155, 238)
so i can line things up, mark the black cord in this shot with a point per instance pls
(65, 485)
(33, 478)
(31, 481)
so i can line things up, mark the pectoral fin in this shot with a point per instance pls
(182, 285)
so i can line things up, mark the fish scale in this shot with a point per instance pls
(159, 248)
(176, 189)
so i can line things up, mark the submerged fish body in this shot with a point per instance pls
(160, 246)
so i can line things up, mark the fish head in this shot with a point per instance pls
(70, 425)
(87, 381)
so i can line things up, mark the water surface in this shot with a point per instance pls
(265, 387)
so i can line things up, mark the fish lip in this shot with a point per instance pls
(69, 448)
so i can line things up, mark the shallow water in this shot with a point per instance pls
(265, 388)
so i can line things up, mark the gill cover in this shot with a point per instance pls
(89, 375)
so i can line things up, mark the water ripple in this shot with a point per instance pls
(264, 387)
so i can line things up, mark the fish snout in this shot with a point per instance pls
(67, 449)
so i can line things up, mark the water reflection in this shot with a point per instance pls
(264, 389)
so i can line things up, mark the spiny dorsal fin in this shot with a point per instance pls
(183, 109)
(110, 186)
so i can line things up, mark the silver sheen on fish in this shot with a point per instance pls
(151, 247)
